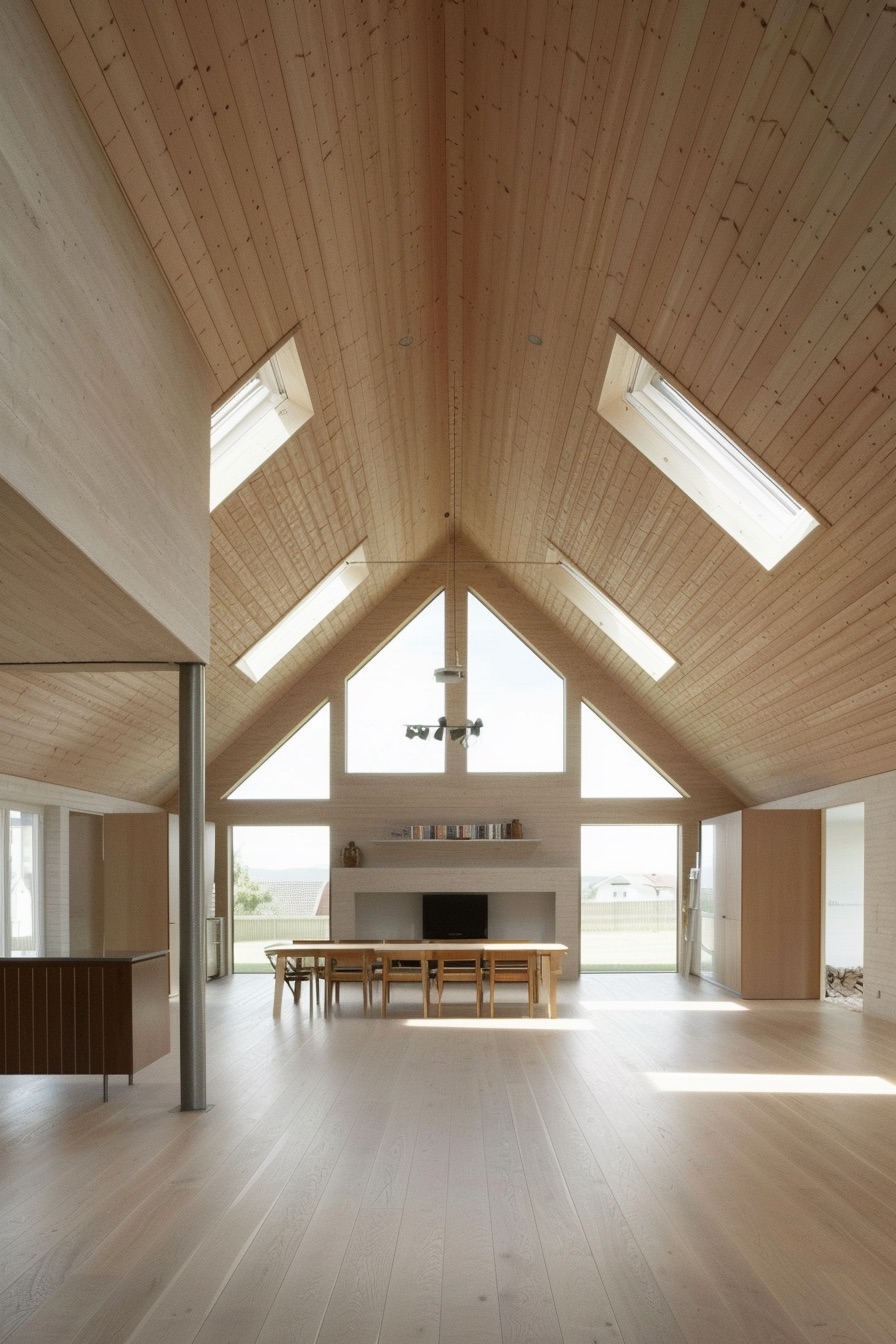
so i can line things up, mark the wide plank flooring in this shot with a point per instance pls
(467, 1182)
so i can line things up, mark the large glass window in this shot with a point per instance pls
(20, 877)
(613, 769)
(281, 889)
(518, 697)
(300, 768)
(394, 689)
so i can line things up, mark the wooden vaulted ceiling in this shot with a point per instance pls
(718, 179)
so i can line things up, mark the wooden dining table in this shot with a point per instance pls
(550, 956)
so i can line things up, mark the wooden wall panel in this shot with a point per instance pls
(86, 897)
(781, 924)
(761, 924)
(135, 881)
(104, 397)
(59, 606)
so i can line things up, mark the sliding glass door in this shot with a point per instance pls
(281, 889)
(629, 897)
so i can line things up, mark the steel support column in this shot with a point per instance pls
(192, 895)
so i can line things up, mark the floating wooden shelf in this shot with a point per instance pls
(401, 840)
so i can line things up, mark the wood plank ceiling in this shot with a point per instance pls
(718, 179)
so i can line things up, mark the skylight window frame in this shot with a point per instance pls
(609, 617)
(317, 604)
(719, 474)
(257, 420)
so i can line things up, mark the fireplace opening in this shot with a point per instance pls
(448, 915)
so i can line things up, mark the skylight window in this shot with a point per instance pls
(256, 421)
(650, 656)
(720, 476)
(292, 628)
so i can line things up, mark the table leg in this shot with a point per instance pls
(553, 961)
(279, 978)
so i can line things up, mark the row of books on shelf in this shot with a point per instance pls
(465, 830)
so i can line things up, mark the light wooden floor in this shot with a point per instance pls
(359, 1180)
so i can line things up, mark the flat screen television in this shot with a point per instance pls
(455, 915)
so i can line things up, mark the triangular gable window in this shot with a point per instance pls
(299, 768)
(519, 698)
(613, 769)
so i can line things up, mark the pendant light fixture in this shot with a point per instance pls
(452, 674)
(455, 673)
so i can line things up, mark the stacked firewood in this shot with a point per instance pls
(844, 982)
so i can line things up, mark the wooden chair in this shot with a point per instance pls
(403, 969)
(512, 968)
(349, 966)
(298, 971)
(453, 969)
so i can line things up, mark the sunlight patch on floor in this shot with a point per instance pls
(824, 1083)
(659, 1006)
(501, 1023)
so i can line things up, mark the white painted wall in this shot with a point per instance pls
(531, 903)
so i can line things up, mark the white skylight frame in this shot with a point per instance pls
(764, 517)
(292, 628)
(256, 421)
(609, 617)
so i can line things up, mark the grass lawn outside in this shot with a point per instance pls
(621, 950)
(249, 958)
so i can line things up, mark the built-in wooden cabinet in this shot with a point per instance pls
(760, 903)
(125, 884)
(139, 867)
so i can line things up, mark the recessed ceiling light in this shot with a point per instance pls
(405, 340)
(533, 338)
